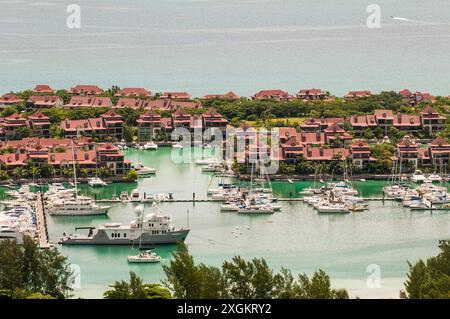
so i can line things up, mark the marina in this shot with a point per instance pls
(296, 236)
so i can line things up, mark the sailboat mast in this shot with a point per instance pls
(74, 172)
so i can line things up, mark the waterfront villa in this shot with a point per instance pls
(40, 124)
(278, 95)
(109, 125)
(43, 101)
(407, 154)
(311, 94)
(313, 125)
(8, 100)
(351, 95)
(386, 119)
(360, 155)
(133, 92)
(227, 96)
(13, 123)
(431, 119)
(58, 154)
(88, 101)
(149, 124)
(176, 95)
(42, 89)
(86, 90)
(417, 97)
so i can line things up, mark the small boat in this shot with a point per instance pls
(177, 145)
(147, 256)
(229, 207)
(434, 178)
(290, 181)
(333, 209)
(150, 146)
(142, 170)
(96, 182)
(418, 177)
(124, 197)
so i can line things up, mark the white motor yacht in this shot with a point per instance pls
(177, 145)
(150, 146)
(96, 182)
(142, 170)
(434, 178)
(418, 177)
(77, 207)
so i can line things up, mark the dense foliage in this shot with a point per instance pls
(430, 279)
(241, 279)
(136, 289)
(28, 272)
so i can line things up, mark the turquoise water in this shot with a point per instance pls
(296, 238)
(211, 46)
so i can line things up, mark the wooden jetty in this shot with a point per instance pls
(41, 221)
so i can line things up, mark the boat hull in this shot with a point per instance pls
(101, 238)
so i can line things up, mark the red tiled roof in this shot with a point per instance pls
(9, 99)
(406, 120)
(384, 114)
(129, 102)
(176, 95)
(91, 89)
(42, 88)
(133, 92)
(44, 100)
(267, 94)
(38, 116)
(310, 92)
(439, 141)
(351, 94)
(229, 95)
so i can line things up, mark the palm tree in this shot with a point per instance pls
(35, 171)
(20, 172)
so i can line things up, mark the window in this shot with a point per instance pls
(124, 235)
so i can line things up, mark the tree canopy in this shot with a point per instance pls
(430, 279)
(27, 271)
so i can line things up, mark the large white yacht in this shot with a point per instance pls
(77, 207)
(146, 230)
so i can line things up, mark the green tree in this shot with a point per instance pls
(239, 278)
(136, 289)
(131, 176)
(19, 173)
(430, 279)
(56, 131)
(26, 269)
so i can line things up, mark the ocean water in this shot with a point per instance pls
(297, 238)
(208, 46)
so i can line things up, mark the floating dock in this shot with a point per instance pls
(41, 221)
(210, 200)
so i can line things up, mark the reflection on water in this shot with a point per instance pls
(297, 237)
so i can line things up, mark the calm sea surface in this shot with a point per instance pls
(206, 46)
(297, 237)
